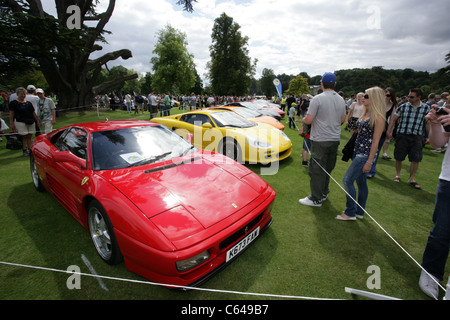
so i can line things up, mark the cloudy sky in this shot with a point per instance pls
(293, 36)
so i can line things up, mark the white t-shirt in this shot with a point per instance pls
(34, 101)
(328, 108)
(445, 171)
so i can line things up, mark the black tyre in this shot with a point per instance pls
(34, 175)
(230, 148)
(102, 234)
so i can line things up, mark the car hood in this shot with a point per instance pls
(267, 133)
(197, 192)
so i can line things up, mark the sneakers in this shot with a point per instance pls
(344, 217)
(386, 157)
(428, 285)
(308, 202)
(25, 153)
(305, 164)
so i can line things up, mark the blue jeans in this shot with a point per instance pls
(437, 249)
(354, 173)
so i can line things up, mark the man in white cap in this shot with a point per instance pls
(326, 114)
(45, 112)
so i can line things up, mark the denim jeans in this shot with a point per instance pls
(354, 173)
(437, 249)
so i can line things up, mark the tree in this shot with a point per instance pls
(230, 69)
(173, 65)
(62, 57)
(298, 85)
(266, 82)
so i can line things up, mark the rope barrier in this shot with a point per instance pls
(164, 284)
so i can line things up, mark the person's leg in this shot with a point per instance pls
(330, 163)
(317, 176)
(437, 248)
(398, 168)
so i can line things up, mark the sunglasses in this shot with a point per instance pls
(411, 97)
(366, 96)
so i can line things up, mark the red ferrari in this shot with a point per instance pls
(173, 213)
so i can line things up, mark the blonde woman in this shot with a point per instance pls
(354, 113)
(371, 125)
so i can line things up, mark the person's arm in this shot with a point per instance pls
(379, 127)
(11, 120)
(308, 119)
(437, 136)
(390, 129)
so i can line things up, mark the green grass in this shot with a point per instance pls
(306, 252)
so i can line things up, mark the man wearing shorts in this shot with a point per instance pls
(410, 132)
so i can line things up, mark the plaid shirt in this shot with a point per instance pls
(412, 121)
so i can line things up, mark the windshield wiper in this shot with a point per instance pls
(185, 152)
(149, 160)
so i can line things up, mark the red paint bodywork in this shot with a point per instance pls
(162, 212)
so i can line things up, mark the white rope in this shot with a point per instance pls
(164, 284)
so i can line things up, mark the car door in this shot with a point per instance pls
(66, 179)
(206, 134)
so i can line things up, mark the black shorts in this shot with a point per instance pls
(408, 145)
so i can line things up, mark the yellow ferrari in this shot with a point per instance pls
(230, 134)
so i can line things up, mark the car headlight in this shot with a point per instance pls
(190, 263)
(258, 143)
(284, 135)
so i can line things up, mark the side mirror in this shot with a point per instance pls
(207, 125)
(67, 156)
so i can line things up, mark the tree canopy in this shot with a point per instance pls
(230, 69)
(173, 65)
(63, 58)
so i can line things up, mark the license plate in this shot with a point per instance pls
(242, 244)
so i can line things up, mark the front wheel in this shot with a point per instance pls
(34, 175)
(230, 148)
(102, 234)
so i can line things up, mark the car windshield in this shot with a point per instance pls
(231, 119)
(248, 113)
(128, 147)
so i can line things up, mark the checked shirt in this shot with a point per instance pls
(412, 121)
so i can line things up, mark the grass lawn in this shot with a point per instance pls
(305, 253)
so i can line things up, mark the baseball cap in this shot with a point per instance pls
(328, 77)
(31, 87)
(39, 90)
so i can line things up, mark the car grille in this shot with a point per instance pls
(241, 232)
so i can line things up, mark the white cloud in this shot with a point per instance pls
(293, 36)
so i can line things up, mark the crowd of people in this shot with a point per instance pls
(378, 117)
(162, 103)
(30, 112)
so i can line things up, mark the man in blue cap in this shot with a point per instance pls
(326, 114)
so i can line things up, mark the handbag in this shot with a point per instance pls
(14, 141)
(304, 130)
(347, 151)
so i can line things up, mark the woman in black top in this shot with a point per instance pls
(22, 118)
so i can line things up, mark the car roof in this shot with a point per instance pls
(113, 124)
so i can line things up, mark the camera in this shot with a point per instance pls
(441, 111)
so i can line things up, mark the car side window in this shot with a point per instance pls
(75, 141)
(196, 119)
